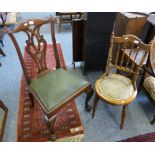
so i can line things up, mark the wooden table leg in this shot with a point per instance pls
(60, 20)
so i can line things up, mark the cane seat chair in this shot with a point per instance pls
(3, 117)
(147, 83)
(119, 88)
(53, 89)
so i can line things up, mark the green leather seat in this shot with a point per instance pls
(55, 87)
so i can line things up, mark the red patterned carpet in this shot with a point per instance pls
(31, 123)
(150, 137)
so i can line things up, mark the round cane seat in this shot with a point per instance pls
(115, 89)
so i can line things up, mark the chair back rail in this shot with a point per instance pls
(118, 58)
(36, 45)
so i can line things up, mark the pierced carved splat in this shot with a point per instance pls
(37, 50)
(36, 44)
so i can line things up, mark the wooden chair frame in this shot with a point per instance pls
(149, 70)
(4, 119)
(120, 63)
(32, 29)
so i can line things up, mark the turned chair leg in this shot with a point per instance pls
(95, 105)
(153, 121)
(32, 99)
(123, 116)
(88, 97)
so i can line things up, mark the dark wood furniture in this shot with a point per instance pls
(77, 40)
(91, 38)
(120, 89)
(67, 17)
(53, 89)
(149, 71)
(149, 29)
(129, 23)
(3, 117)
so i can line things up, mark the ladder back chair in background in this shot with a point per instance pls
(53, 89)
(147, 83)
(3, 117)
(120, 89)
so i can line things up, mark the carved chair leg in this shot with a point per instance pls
(51, 123)
(95, 105)
(153, 121)
(88, 97)
(32, 99)
(123, 116)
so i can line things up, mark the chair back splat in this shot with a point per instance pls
(127, 54)
(36, 45)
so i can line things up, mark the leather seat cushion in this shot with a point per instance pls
(149, 85)
(115, 89)
(55, 86)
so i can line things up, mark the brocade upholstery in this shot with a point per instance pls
(55, 86)
(1, 117)
(149, 85)
(115, 88)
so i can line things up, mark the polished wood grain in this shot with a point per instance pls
(36, 47)
(123, 65)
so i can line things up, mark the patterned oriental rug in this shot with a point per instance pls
(31, 123)
(149, 137)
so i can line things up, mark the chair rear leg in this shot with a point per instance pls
(123, 116)
(153, 121)
(88, 97)
(32, 99)
(95, 105)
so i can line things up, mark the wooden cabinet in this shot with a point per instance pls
(91, 38)
(129, 23)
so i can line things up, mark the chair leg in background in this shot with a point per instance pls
(123, 116)
(1, 52)
(153, 121)
(88, 97)
(95, 105)
(32, 99)
(60, 19)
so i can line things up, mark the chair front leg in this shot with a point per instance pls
(51, 124)
(95, 105)
(123, 116)
(153, 121)
(88, 97)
